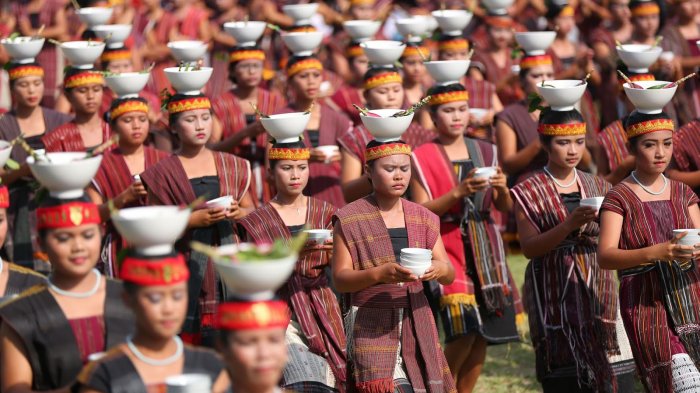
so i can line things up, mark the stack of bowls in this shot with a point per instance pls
(417, 260)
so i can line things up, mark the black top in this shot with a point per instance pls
(207, 186)
(399, 240)
(250, 119)
(294, 229)
(314, 137)
(571, 200)
(462, 168)
(35, 141)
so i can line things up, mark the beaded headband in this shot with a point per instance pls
(528, 62)
(354, 51)
(113, 55)
(420, 51)
(246, 54)
(4, 197)
(447, 97)
(567, 11)
(383, 79)
(149, 272)
(69, 215)
(24, 71)
(128, 106)
(646, 9)
(386, 150)
(562, 129)
(648, 126)
(189, 104)
(303, 65)
(286, 153)
(453, 44)
(253, 315)
(84, 79)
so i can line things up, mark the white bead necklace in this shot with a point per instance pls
(557, 181)
(78, 295)
(157, 362)
(645, 188)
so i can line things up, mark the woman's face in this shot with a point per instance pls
(28, 91)
(307, 83)
(3, 226)
(256, 358)
(120, 66)
(73, 251)
(225, 5)
(362, 12)
(564, 25)
(390, 175)
(387, 96)
(689, 8)
(359, 66)
(535, 76)
(646, 25)
(194, 127)
(566, 151)
(413, 68)
(290, 177)
(159, 310)
(500, 37)
(248, 73)
(620, 10)
(653, 151)
(132, 128)
(86, 99)
(451, 119)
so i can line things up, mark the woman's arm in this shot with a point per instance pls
(692, 179)
(222, 383)
(513, 160)
(442, 268)
(444, 203)
(354, 183)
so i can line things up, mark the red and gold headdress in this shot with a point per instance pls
(645, 127)
(289, 153)
(67, 215)
(246, 54)
(4, 197)
(637, 78)
(85, 78)
(645, 9)
(502, 21)
(253, 315)
(412, 50)
(129, 105)
(122, 53)
(447, 97)
(303, 29)
(528, 62)
(361, 2)
(383, 79)
(21, 71)
(562, 129)
(454, 44)
(156, 271)
(567, 11)
(354, 50)
(386, 150)
(303, 65)
(188, 104)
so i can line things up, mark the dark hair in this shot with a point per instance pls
(548, 116)
(440, 89)
(172, 117)
(49, 201)
(12, 65)
(290, 145)
(118, 101)
(554, 9)
(637, 117)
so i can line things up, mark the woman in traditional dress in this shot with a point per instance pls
(415, 77)
(49, 332)
(84, 89)
(685, 166)
(156, 23)
(155, 289)
(570, 299)
(482, 305)
(30, 119)
(316, 333)
(660, 284)
(304, 76)
(383, 89)
(180, 179)
(118, 180)
(351, 92)
(392, 339)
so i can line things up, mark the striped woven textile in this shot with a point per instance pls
(686, 148)
(660, 303)
(67, 138)
(572, 302)
(613, 139)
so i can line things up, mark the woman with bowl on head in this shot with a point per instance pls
(392, 338)
(415, 77)
(117, 179)
(659, 282)
(482, 305)
(155, 289)
(571, 300)
(351, 92)
(316, 332)
(77, 305)
(383, 89)
(197, 172)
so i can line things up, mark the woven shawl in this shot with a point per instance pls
(67, 138)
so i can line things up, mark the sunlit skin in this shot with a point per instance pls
(451, 54)
(387, 96)
(500, 37)
(452, 118)
(159, 310)
(290, 177)
(307, 83)
(86, 99)
(359, 66)
(248, 73)
(413, 68)
(194, 127)
(74, 251)
(27, 92)
(362, 12)
(390, 175)
(120, 66)
(132, 128)
(537, 75)
(645, 27)
(255, 359)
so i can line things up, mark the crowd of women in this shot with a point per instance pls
(574, 147)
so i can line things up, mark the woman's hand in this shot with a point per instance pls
(437, 270)
(393, 273)
(499, 180)
(234, 211)
(313, 246)
(581, 216)
(131, 194)
(205, 217)
(471, 185)
(672, 250)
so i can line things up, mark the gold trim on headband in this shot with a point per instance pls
(454, 44)
(646, 9)
(128, 106)
(24, 71)
(420, 51)
(84, 79)
(528, 62)
(122, 54)
(447, 97)
(383, 79)
(308, 64)
(286, 153)
(390, 149)
(562, 129)
(246, 54)
(189, 104)
(648, 126)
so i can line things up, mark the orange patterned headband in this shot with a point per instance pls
(354, 51)
(128, 106)
(646, 9)
(386, 150)
(24, 71)
(151, 272)
(562, 129)
(528, 62)
(189, 104)
(567, 11)
(419, 51)
(121, 54)
(247, 54)
(361, 2)
(638, 78)
(499, 21)
(383, 79)
(285, 153)
(68, 215)
(451, 96)
(453, 45)
(648, 126)
(4, 197)
(308, 64)
(84, 79)
(253, 315)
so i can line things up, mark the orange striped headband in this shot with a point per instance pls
(4, 197)
(562, 129)
(361, 2)
(308, 64)
(253, 315)
(646, 9)
(528, 62)
(419, 51)
(354, 51)
(451, 96)
(150, 272)
(114, 55)
(455, 44)
(24, 71)
(383, 79)
(69, 215)
(648, 126)
(499, 21)
(128, 106)
(247, 54)
(303, 29)
(386, 150)
(567, 11)
(189, 104)
(84, 79)
(285, 153)
(639, 78)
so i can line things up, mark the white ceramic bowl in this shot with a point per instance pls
(486, 172)
(245, 33)
(649, 101)
(93, 16)
(383, 53)
(417, 269)
(446, 72)
(329, 150)
(302, 43)
(65, 175)
(82, 54)
(415, 259)
(637, 57)
(286, 127)
(254, 280)
(594, 202)
(151, 229)
(386, 128)
(23, 49)
(497, 6)
(223, 202)
(319, 235)
(188, 383)
(691, 238)
(187, 51)
(188, 82)
(414, 27)
(562, 94)
(535, 42)
(362, 30)
(422, 252)
(112, 34)
(452, 22)
(127, 84)
(301, 13)
(478, 113)
(5, 152)
(431, 24)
